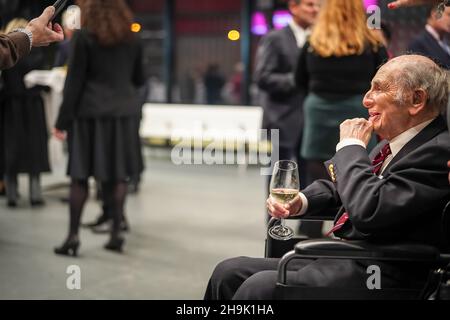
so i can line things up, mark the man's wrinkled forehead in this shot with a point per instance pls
(388, 72)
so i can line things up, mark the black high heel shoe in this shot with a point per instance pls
(69, 248)
(115, 244)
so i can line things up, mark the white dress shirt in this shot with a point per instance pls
(396, 144)
(299, 33)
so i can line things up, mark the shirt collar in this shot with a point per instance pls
(433, 32)
(299, 33)
(397, 143)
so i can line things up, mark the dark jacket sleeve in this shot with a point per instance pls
(301, 73)
(76, 77)
(322, 196)
(13, 47)
(375, 204)
(267, 74)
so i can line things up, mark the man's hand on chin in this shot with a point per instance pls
(357, 128)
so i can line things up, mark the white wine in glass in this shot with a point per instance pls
(284, 187)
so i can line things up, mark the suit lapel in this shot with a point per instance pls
(434, 128)
(291, 43)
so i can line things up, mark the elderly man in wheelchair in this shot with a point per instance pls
(389, 238)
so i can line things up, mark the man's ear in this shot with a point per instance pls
(419, 101)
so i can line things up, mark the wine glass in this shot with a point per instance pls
(284, 187)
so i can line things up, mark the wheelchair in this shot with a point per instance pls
(437, 287)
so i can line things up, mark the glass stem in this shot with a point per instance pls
(282, 224)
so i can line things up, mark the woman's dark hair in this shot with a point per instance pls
(109, 20)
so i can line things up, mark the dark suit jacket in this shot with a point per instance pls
(404, 204)
(12, 48)
(101, 81)
(425, 44)
(281, 100)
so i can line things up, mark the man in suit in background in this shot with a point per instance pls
(281, 100)
(38, 32)
(395, 194)
(434, 41)
(276, 61)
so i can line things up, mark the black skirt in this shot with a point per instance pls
(24, 135)
(108, 149)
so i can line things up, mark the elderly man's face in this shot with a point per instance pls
(305, 12)
(388, 117)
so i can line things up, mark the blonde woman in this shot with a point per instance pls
(335, 68)
(23, 129)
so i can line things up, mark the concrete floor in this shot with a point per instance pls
(183, 222)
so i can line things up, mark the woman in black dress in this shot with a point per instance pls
(24, 137)
(101, 112)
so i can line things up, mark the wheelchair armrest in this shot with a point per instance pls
(357, 250)
(333, 248)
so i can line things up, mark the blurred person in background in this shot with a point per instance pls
(233, 90)
(214, 82)
(101, 113)
(23, 129)
(276, 61)
(433, 42)
(405, 3)
(335, 67)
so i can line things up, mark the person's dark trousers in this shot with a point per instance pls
(248, 278)
(315, 170)
(230, 274)
(245, 278)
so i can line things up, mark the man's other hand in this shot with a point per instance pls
(279, 211)
(357, 128)
(43, 31)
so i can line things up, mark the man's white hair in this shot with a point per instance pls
(414, 72)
